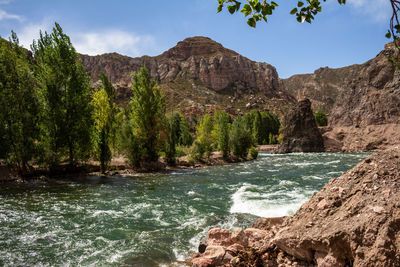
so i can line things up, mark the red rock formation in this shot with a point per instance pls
(300, 131)
(197, 69)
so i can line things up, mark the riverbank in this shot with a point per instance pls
(120, 166)
(353, 221)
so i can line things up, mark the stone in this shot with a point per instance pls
(300, 131)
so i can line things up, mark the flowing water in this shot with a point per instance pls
(152, 219)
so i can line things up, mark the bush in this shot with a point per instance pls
(320, 118)
(241, 138)
(253, 152)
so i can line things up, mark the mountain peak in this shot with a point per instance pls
(197, 46)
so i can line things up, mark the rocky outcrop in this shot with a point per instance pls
(300, 131)
(322, 87)
(360, 139)
(353, 221)
(372, 97)
(198, 71)
(366, 115)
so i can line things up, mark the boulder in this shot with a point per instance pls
(300, 132)
(353, 221)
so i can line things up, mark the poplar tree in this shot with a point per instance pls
(221, 132)
(145, 122)
(18, 106)
(66, 119)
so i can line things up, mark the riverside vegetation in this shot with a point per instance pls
(51, 119)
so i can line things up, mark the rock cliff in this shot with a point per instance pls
(366, 115)
(322, 87)
(199, 74)
(300, 131)
(372, 97)
(353, 221)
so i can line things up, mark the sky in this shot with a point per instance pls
(340, 36)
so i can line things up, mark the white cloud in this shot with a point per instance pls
(100, 42)
(30, 32)
(94, 42)
(4, 15)
(4, 2)
(379, 10)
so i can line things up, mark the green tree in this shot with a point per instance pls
(128, 142)
(146, 116)
(241, 139)
(185, 138)
(66, 119)
(204, 137)
(102, 116)
(320, 118)
(220, 133)
(18, 106)
(173, 137)
(258, 130)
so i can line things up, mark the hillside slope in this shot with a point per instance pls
(197, 76)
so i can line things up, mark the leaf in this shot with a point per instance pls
(388, 35)
(219, 8)
(274, 4)
(246, 10)
(232, 9)
(294, 11)
(251, 22)
(300, 4)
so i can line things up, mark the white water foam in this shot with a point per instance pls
(262, 205)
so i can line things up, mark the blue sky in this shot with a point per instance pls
(340, 35)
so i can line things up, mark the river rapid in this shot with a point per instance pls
(153, 219)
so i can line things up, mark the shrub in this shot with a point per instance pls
(253, 152)
(320, 118)
(241, 138)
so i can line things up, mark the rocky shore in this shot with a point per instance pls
(353, 221)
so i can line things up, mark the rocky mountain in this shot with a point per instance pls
(322, 87)
(366, 115)
(197, 76)
(372, 97)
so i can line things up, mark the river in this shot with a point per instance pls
(153, 219)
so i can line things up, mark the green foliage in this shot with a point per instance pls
(185, 138)
(253, 152)
(66, 120)
(129, 143)
(19, 106)
(145, 118)
(204, 136)
(258, 129)
(260, 10)
(240, 138)
(320, 118)
(220, 133)
(173, 136)
(103, 121)
(260, 125)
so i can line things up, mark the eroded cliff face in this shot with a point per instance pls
(199, 74)
(322, 87)
(372, 97)
(366, 115)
